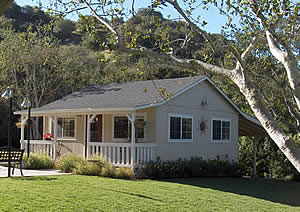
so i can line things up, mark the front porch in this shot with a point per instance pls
(115, 135)
(119, 154)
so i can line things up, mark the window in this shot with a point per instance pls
(180, 127)
(122, 127)
(139, 127)
(220, 130)
(66, 127)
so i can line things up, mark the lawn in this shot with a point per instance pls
(83, 193)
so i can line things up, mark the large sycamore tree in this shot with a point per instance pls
(267, 30)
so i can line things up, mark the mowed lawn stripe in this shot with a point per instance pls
(87, 193)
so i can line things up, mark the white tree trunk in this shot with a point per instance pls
(282, 140)
(289, 61)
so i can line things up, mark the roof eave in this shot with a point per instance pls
(81, 110)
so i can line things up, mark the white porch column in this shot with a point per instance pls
(23, 121)
(55, 136)
(90, 120)
(132, 119)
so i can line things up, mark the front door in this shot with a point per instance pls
(96, 129)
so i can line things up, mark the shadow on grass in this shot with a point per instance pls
(283, 192)
(34, 178)
(135, 195)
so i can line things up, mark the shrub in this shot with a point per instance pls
(125, 173)
(99, 160)
(38, 161)
(109, 171)
(194, 167)
(91, 167)
(68, 162)
(87, 168)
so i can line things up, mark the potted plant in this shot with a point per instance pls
(48, 137)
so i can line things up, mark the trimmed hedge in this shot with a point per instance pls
(194, 167)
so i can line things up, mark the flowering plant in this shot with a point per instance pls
(48, 136)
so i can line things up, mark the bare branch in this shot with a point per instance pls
(186, 40)
(132, 8)
(249, 48)
(197, 29)
(210, 67)
(103, 22)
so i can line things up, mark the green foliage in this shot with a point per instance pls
(38, 161)
(68, 162)
(109, 171)
(98, 166)
(271, 162)
(87, 168)
(194, 167)
(125, 173)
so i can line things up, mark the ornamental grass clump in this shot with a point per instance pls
(87, 168)
(91, 167)
(109, 171)
(68, 162)
(38, 161)
(125, 173)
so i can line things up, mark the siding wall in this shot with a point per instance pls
(65, 146)
(189, 103)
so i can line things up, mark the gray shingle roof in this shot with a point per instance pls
(120, 95)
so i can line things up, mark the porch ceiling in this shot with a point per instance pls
(249, 128)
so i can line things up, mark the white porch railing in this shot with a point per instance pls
(124, 154)
(40, 146)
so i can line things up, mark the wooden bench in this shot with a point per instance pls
(16, 157)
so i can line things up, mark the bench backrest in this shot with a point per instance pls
(16, 155)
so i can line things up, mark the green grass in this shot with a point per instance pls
(84, 193)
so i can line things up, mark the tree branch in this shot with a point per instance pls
(117, 36)
(249, 48)
(210, 67)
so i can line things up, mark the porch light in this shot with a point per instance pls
(26, 104)
(8, 94)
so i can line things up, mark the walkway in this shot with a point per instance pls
(29, 173)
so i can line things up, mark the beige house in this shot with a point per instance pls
(136, 122)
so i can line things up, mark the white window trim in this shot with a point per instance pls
(144, 114)
(211, 130)
(75, 127)
(169, 128)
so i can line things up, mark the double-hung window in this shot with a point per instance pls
(66, 127)
(180, 128)
(122, 128)
(221, 130)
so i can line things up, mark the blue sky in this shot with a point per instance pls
(215, 21)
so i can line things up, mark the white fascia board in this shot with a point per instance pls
(77, 111)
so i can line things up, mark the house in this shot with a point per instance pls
(136, 122)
